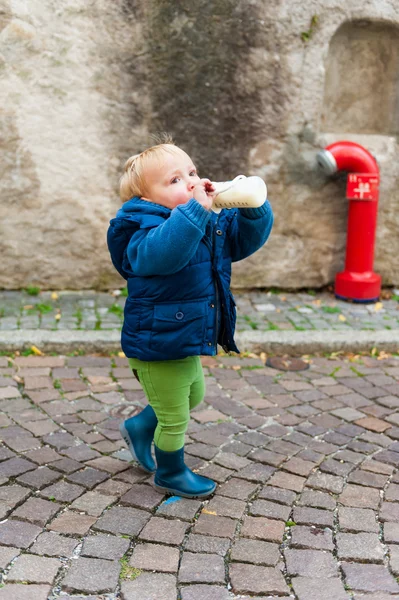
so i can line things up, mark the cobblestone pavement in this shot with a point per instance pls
(307, 503)
(264, 311)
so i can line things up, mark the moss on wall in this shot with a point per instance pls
(196, 51)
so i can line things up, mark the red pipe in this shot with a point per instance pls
(357, 282)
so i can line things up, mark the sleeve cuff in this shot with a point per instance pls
(196, 213)
(256, 213)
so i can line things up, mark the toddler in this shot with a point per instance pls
(176, 256)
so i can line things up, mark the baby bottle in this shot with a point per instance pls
(241, 192)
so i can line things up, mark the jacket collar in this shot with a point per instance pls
(138, 206)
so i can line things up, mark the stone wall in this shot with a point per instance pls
(249, 87)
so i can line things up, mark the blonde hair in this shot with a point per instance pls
(132, 182)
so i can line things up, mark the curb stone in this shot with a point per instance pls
(271, 342)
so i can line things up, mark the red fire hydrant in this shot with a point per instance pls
(357, 282)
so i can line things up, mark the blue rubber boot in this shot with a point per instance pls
(174, 477)
(138, 433)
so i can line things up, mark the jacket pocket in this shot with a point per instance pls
(178, 328)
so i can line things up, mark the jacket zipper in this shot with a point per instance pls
(211, 246)
(216, 283)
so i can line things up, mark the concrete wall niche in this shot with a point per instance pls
(361, 92)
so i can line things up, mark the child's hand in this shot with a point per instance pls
(204, 192)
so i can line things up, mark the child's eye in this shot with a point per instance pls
(175, 180)
(193, 173)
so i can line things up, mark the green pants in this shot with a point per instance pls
(173, 388)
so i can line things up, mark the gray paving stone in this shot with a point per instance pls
(348, 414)
(326, 482)
(9, 392)
(39, 478)
(142, 496)
(105, 546)
(226, 507)
(392, 493)
(394, 559)
(81, 453)
(353, 457)
(88, 477)
(255, 552)
(122, 520)
(298, 466)
(204, 592)
(376, 438)
(24, 592)
(272, 510)
(277, 495)
(287, 481)
(369, 578)
(62, 491)
(314, 538)
(267, 457)
(92, 503)
(254, 472)
(113, 487)
(263, 529)
(284, 447)
(364, 447)
(15, 466)
(367, 479)
(72, 523)
(357, 519)
(307, 588)
(5, 453)
(7, 555)
(53, 544)
(215, 525)
(4, 510)
(150, 586)
(207, 543)
(181, 508)
(358, 496)
(13, 494)
(162, 530)
(386, 456)
(311, 563)
(252, 579)
(108, 464)
(201, 568)
(132, 475)
(153, 557)
(237, 488)
(389, 511)
(317, 499)
(231, 461)
(37, 511)
(59, 440)
(91, 575)
(391, 532)
(18, 533)
(360, 547)
(313, 516)
(66, 465)
(202, 450)
(335, 467)
(33, 569)
(377, 596)
(43, 455)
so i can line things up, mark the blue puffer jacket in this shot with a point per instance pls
(177, 264)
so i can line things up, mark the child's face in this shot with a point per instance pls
(171, 181)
